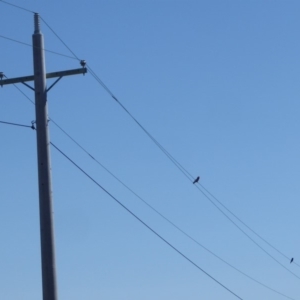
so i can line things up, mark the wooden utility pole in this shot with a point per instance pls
(43, 156)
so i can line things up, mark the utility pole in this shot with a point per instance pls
(44, 175)
(43, 155)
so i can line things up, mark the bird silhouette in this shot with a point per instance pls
(196, 180)
(292, 260)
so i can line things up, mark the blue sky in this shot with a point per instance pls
(217, 84)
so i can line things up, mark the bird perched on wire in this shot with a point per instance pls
(292, 260)
(196, 180)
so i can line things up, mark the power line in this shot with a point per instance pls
(29, 45)
(190, 177)
(20, 91)
(151, 207)
(247, 235)
(165, 218)
(248, 226)
(179, 166)
(234, 223)
(169, 156)
(105, 86)
(25, 9)
(16, 124)
(142, 222)
(155, 210)
(183, 170)
(60, 39)
(16, 41)
(19, 7)
(173, 160)
(23, 93)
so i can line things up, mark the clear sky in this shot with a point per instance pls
(217, 84)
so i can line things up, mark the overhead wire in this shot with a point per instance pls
(178, 165)
(150, 206)
(9, 123)
(142, 222)
(247, 235)
(187, 174)
(190, 177)
(29, 45)
(115, 98)
(59, 38)
(23, 93)
(156, 211)
(16, 124)
(20, 91)
(17, 6)
(134, 215)
(169, 156)
(247, 226)
(129, 211)
(160, 214)
(170, 222)
(165, 218)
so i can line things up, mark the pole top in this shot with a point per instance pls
(37, 23)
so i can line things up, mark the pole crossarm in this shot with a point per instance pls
(48, 75)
